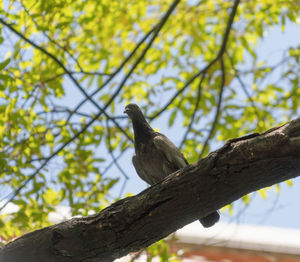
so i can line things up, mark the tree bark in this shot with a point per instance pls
(241, 166)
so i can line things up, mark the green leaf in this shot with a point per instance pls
(172, 117)
(263, 193)
(246, 199)
(5, 78)
(4, 63)
(289, 182)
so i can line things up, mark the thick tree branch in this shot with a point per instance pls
(241, 166)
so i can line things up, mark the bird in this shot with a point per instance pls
(156, 156)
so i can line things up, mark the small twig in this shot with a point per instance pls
(217, 114)
(122, 188)
(110, 150)
(244, 88)
(194, 112)
(115, 161)
(112, 162)
(64, 110)
(74, 73)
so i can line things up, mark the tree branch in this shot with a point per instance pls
(115, 160)
(194, 112)
(241, 166)
(218, 109)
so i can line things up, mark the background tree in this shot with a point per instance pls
(69, 67)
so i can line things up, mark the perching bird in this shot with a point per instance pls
(156, 156)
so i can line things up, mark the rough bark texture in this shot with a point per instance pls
(241, 166)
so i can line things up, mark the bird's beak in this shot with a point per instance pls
(126, 111)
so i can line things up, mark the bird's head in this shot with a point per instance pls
(133, 111)
(140, 125)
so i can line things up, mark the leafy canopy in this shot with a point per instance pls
(69, 67)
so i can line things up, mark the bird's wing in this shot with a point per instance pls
(139, 170)
(172, 153)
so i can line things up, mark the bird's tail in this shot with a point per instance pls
(210, 220)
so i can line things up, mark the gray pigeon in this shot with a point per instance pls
(156, 156)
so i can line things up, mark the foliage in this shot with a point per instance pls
(68, 68)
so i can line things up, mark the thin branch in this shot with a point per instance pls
(228, 29)
(112, 162)
(194, 112)
(64, 110)
(218, 110)
(243, 86)
(219, 55)
(110, 150)
(271, 68)
(94, 73)
(75, 73)
(155, 115)
(115, 160)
